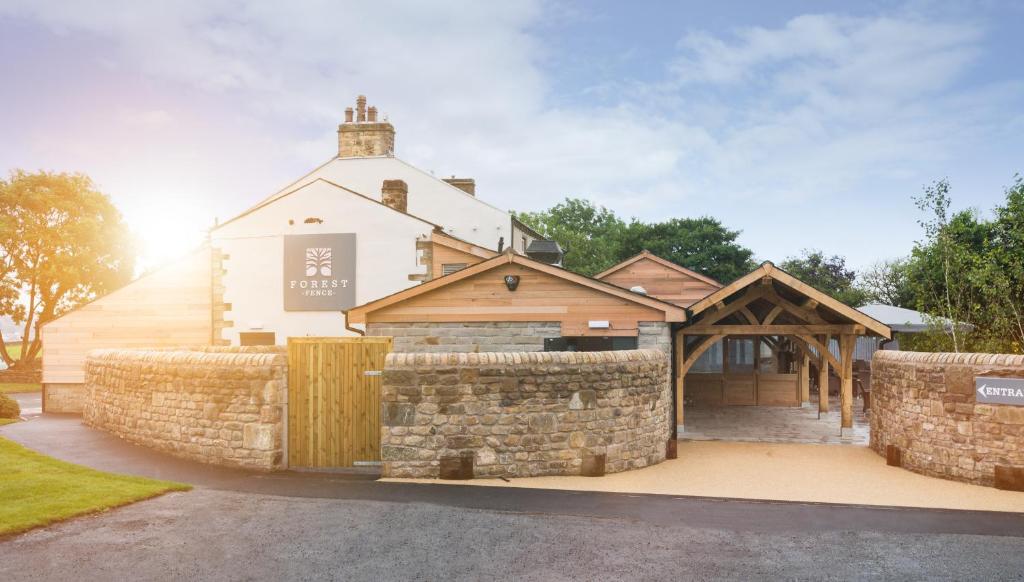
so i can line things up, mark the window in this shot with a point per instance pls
(589, 344)
(710, 362)
(257, 338)
(449, 268)
(741, 355)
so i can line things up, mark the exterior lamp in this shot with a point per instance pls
(512, 282)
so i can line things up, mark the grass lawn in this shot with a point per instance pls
(9, 388)
(40, 490)
(4, 421)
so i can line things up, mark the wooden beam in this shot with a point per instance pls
(752, 294)
(805, 378)
(822, 349)
(823, 378)
(775, 329)
(770, 318)
(808, 315)
(747, 313)
(810, 304)
(846, 343)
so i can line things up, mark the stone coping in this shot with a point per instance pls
(950, 358)
(191, 356)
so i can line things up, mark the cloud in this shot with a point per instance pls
(812, 111)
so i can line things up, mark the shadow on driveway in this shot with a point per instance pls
(66, 438)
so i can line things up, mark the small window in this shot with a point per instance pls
(710, 362)
(589, 344)
(257, 338)
(449, 268)
(524, 244)
(741, 355)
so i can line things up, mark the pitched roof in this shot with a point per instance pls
(270, 201)
(672, 312)
(768, 270)
(664, 262)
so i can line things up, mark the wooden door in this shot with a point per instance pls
(334, 400)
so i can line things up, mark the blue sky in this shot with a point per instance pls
(802, 124)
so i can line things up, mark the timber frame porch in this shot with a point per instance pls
(794, 321)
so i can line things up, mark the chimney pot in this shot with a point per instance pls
(361, 139)
(395, 193)
(361, 108)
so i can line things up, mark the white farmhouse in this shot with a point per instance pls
(361, 226)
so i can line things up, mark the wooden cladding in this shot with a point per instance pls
(664, 281)
(334, 400)
(540, 296)
(168, 307)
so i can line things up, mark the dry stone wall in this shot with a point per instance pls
(525, 413)
(217, 405)
(924, 405)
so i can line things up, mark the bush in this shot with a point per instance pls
(9, 407)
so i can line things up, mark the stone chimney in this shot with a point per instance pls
(395, 193)
(467, 185)
(366, 136)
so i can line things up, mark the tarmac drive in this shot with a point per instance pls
(246, 526)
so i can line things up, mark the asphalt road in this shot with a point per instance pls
(245, 526)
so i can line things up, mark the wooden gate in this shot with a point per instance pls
(334, 400)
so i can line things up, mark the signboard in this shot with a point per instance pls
(999, 390)
(319, 272)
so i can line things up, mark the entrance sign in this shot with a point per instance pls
(319, 272)
(999, 390)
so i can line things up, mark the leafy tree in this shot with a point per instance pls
(594, 239)
(826, 274)
(969, 270)
(887, 282)
(701, 244)
(62, 243)
(590, 235)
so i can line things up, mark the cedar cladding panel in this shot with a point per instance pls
(661, 282)
(539, 297)
(169, 307)
(444, 255)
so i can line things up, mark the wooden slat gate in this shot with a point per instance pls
(334, 400)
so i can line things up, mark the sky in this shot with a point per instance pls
(800, 124)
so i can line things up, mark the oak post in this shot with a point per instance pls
(805, 379)
(823, 379)
(846, 342)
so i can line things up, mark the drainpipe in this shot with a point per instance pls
(349, 327)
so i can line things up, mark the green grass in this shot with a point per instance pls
(9, 388)
(4, 421)
(39, 490)
(14, 350)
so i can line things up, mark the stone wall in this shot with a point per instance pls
(524, 414)
(219, 405)
(655, 335)
(467, 337)
(21, 374)
(924, 405)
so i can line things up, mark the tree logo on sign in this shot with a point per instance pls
(318, 261)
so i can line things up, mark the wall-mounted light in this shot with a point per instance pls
(599, 324)
(512, 282)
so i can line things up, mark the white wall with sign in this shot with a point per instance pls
(383, 243)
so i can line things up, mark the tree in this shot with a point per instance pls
(701, 244)
(62, 243)
(968, 273)
(887, 282)
(826, 274)
(589, 235)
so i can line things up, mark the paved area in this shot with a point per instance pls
(775, 424)
(240, 525)
(785, 472)
(31, 403)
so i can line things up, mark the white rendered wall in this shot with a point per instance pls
(430, 198)
(385, 256)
